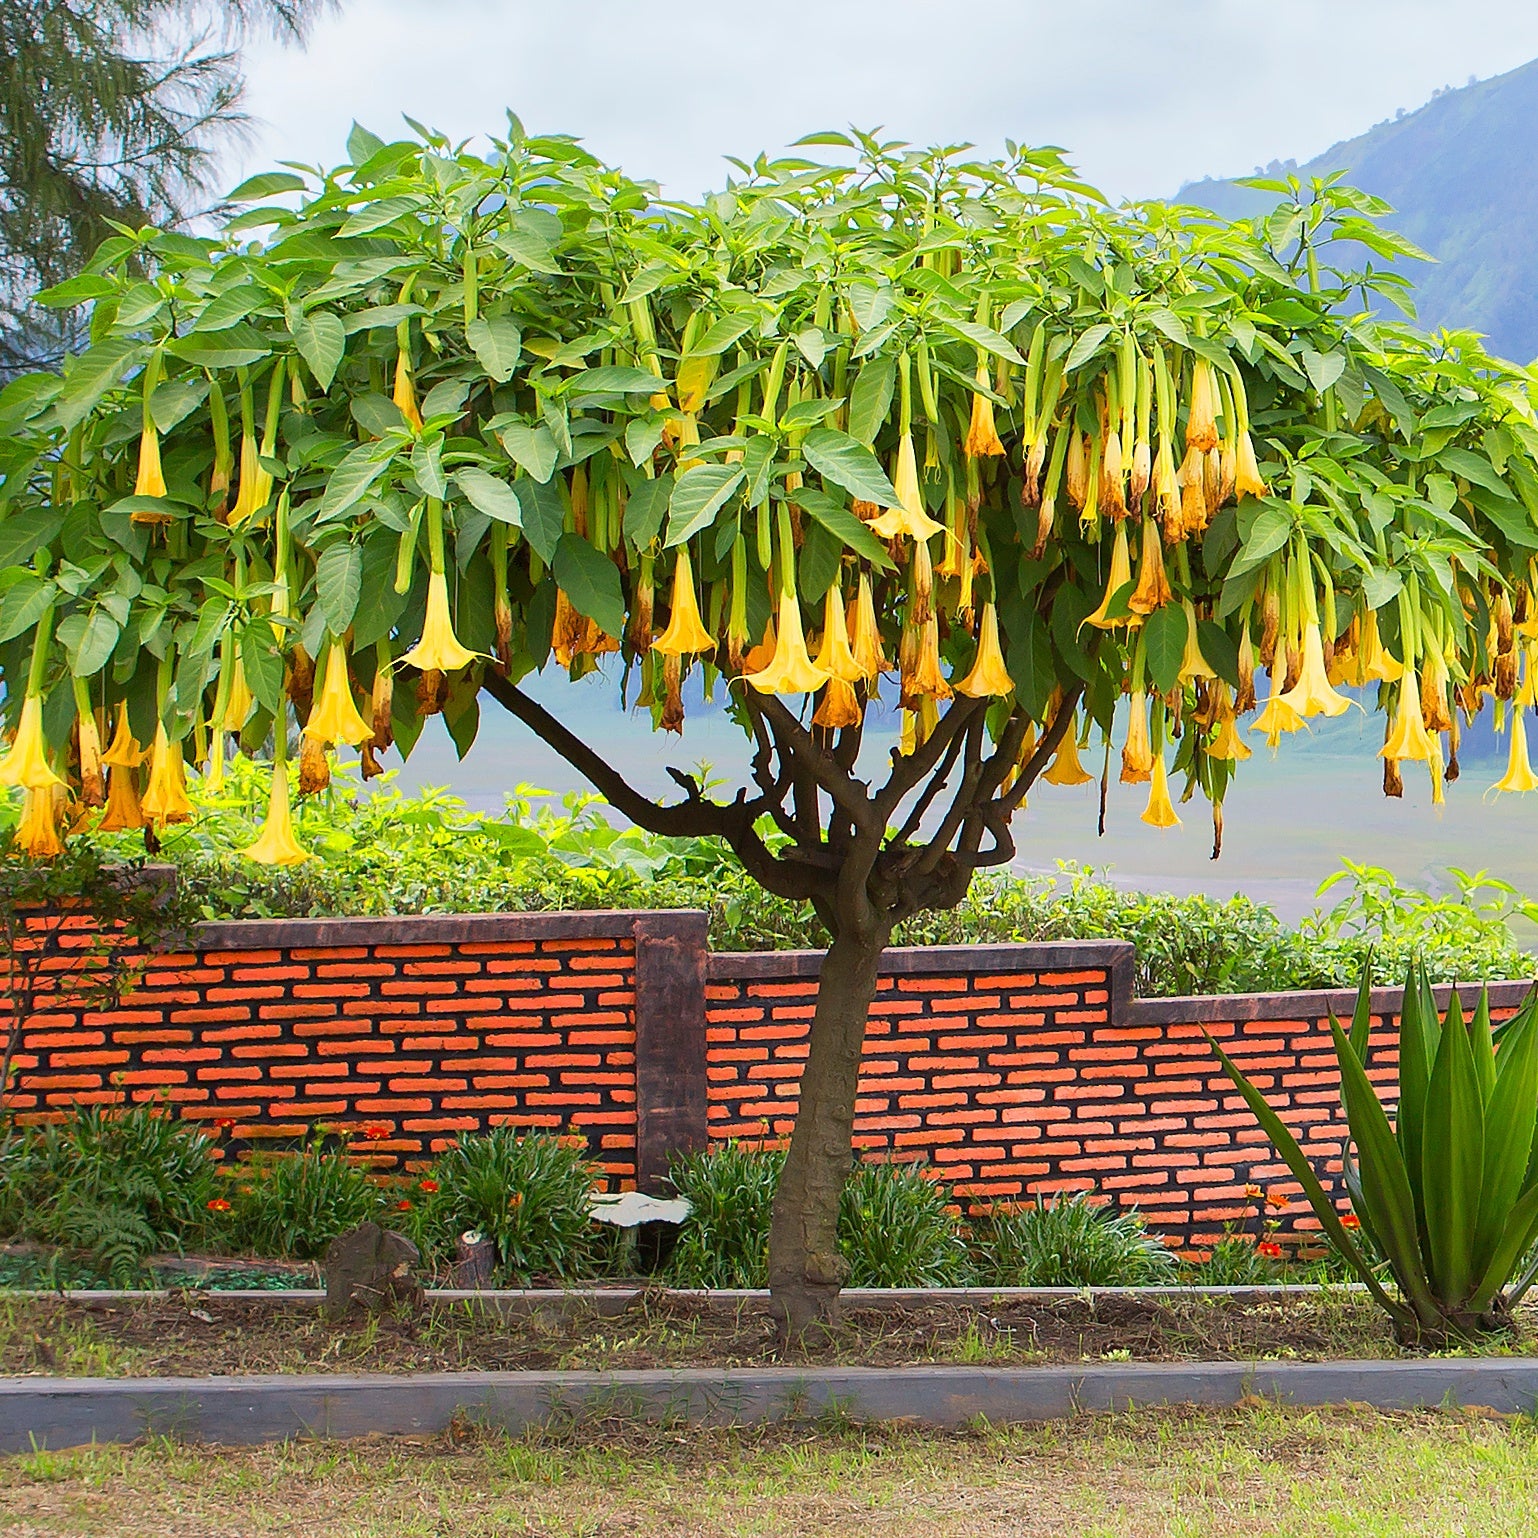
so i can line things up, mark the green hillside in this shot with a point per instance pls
(1460, 174)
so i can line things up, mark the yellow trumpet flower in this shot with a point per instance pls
(439, 650)
(26, 764)
(840, 705)
(92, 786)
(989, 677)
(1137, 758)
(1118, 578)
(1192, 664)
(908, 517)
(761, 655)
(151, 481)
(1160, 812)
(1153, 587)
(790, 670)
(1312, 695)
(1519, 774)
(238, 707)
(923, 679)
(1247, 481)
(165, 798)
(1280, 715)
(1201, 420)
(37, 834)
(1377, 665)
(866, 645)
(834, 656)
(276, 844)
(124, 814)
(1408, 739)
(1065, 768)
(1228, 743)
(686, 634)
(334, 716)
(124, 751)
(255, 483)
(405, 395)
(982, 438)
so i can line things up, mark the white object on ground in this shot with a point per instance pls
(627, 1209)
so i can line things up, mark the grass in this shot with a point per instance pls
(1242, 1473)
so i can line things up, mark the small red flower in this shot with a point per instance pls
(1269, 1249)
(1278, 1201)
(429, 1186)
(218, 1204)
(1350, 1220)
(374, 1133)
(224, 1124)
(1253, 1193)
(403, 1205)
(515, 1201)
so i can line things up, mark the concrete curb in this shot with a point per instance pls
(59, 1412)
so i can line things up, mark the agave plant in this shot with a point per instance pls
(1449, 1195)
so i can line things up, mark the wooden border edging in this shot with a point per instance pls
(58, 1412)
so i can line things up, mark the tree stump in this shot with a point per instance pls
(372, 1269)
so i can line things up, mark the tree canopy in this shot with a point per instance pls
(431, 421)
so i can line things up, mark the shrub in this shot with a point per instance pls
(897, 1228)
(114, 1184)
(529, 1195)
(290, 1206)
(1235, 1262)
(1070, 1242)
(725, 1240)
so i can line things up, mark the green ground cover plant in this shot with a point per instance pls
(389, 852)
(1071, 1242)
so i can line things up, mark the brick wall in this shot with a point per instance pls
(1016, 1071)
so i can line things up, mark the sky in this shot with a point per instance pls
(1144, 94)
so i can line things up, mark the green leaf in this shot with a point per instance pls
(229, 308)
(590, 581)
(73, 291)
(1452, 1161)
(723, 334)
(262, 664)
(544, 514)
(321, 339)
(236, 346)
(645, 509)
(1473, 467)
(491, 496)
(427, 466)
(23, 534)
(805, 414)
(988, 339)
(267, 184)
(642, 435)
(613, 379)
(1271, 530)
(1164, 636)
(870, 402)
(379, 317)
(1417, 1047)
(1511, 1117)
(1084, 349)
(532, 449)
(839, 521)
(527, 248)
(497, 342)
(351, 479)
(849, 465)
(698, 495)
(1220, 650)
(376, 215)
(338, 584)
(88, 377)
(1323, 368)
(90, 643)
(23, 605)
(174, 399)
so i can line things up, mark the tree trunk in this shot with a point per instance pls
(805, 1268)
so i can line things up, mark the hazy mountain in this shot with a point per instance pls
(1460, 174)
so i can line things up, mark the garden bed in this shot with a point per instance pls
(185, 1334)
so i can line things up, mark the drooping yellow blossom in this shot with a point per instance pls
(124, 813)
(1228, 743)
(255, 483)
(1519, 774)
(840, 705)
(1065, 768)
(1408, 739)
(276, 844)
(1201, 420)
(1192, 664)
(982, 438)
(151, 481)
(1279, 716)
(989, 677)
(335, 717)
(238, 707)
(93, 787)
(1153, 586)
(165, 798)
(1312, 695)
(790, 670)
(124, 751)
(908, 518)
(1377, 665)
(1119, 577)
(1160, 812)
(1137, 758)
(761, 655)
(686, 635)
(866, 644)
(37, 834)
(922, 678)
(439, 650)
(1247, 481)
(1244, 696)
(26, 764)
(834, 657)
(405, 395)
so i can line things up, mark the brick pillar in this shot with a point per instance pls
(671, 1106)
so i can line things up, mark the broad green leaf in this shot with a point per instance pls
(351, 479)
(988, 339)
(870, 402)
(88, 377)
(338, 584)
(543, 509)
(839, 521)
(723, 334)
(848, 464)
(23, 605)
(321, 340)
(805, 414)
(698, 495)
(590, 581)
(532, 449)
(613, 379)
(1514, 1244)
(375, 216)
(236, 346)
(262, 664)
(89, 641)
(73, 291)
(642, 435)
(1085, 348)
(1271, 530)
(497, 341)
(1452, 1160)
(1473, 467)
(1323, 369)
(1164, 635)
(645, 509)
(427, 466)
(229, 308)
(267, 184)
(1511, 1115)
(175, 399)
(528, 249)
(489, 495)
